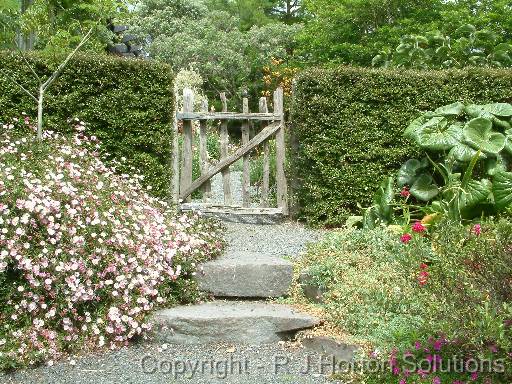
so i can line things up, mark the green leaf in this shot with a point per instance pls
(479, 134)
(437, 135)
(475, 111)
(383, 198)
(443, 51)
(503, 47)
(409, 171)
(465, 29)
(495, 165)
(474, 193)
(403, 48)
(450, 110)
(377, 60)
(498, 109)
(502, 190)
(508, 141)
(502, 124)
(463, 153)
(424, 188)
(412, 130)
(486, 36)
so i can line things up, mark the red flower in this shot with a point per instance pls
(423, 266)
(477, 229)
(405, 192)
(418, 227)
(423, 278)
(405, 238)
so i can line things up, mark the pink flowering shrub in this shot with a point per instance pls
(85, 253)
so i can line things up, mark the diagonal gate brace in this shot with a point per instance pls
(253, 143)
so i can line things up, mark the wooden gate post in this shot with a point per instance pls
(246, 177)
(186, 170)
(266, 161)
(175, 188)
(282, 187)
(224, 142)
(203, 151)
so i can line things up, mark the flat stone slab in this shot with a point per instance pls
(242, 322)
(245, 274)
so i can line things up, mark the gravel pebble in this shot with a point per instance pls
(285, 239)
(147, 363)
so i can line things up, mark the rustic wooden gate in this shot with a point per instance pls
(271, 124)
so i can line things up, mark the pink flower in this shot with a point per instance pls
(436, 380)
(477, 229)
(474, 376)
(418, 227)
(405, 238)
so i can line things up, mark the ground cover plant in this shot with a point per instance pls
(436, 294)
(85, 252)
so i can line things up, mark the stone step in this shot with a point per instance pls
(229, 322)
(245, 274)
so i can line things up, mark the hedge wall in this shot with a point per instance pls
(348, 124)
(125, 103)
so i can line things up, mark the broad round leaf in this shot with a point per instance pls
(501, 124)
(409, 172)
(486, 36)
(377, 60)
(437, 135)
(502, 190)
(465, 29)
(424, 188)
(498, 109)
(503, 47)
(495, 165)
(475, 111)
(462, 153)
(443, 51)
(508, 141)
(476, 192)
(479, 134)
(403, 48)
(454, 109)
(411, 132)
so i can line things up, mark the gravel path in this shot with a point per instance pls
(277, 363)
(151, 363)
(285, 239)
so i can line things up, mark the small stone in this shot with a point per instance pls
(311, 290)
(330, 347)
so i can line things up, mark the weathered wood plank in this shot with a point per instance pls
(175, 161)
(266, 161)
(253, 143)
(224, 145)
(246, 177)
(226, 116)
(187, 151)
(282, 186)
(203, 151)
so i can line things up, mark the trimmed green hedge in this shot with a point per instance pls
(348, 124)
(127, 104)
